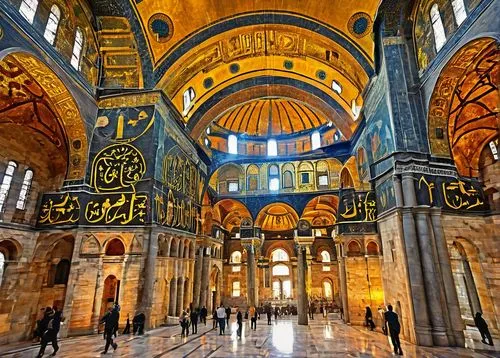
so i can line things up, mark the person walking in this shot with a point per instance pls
(381, 312)
(239, 322)
(50, 335)
(221, 317)
(276, 313)
(183, 321)
(110, 321)
(369, 318)
(194, 321)
(41, 324)
(203, 315)
(253, 318)
(269, 313)
(482, 326)
(311, 310)
(228, 315)
(214, 319)
(392, 320)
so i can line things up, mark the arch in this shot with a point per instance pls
(288, 170)
(280, 270)
(10, 251)
(372, 248)
(353, 248)
(253, 178)
(277, 217)
(110, 293)
(186, 249)
(462, 117)
(68, 131)
(327, 288)
(346, 179)
(325, 256)
(230, 212)
(235, 257)
(115, 247)
(229, 178)
(322, 174)
(273, 177)
(174, 247)
(321, 211)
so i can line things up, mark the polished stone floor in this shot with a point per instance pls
(283, 338)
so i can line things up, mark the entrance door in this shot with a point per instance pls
(109, 293)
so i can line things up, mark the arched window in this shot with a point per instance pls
(272, 148)
(232, 144)
(188, 99)
(252, 178)
(77, 49)
(115, 248)
(236, 289)
(25, 190)
(52, 24)
(327, 289)
(62, 272)
(274, 178)
(28, 9)
(6, 182)
(287, 179)
(336, 87)
(279, 255)
(325, 256)
(315, 140)
(353, 249)
(372, 248)
(437, 27)
(281, 270)
(236, 257)
(459, 11)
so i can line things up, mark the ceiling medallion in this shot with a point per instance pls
(161, 27)
(360, 24)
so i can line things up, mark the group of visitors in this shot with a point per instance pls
(47, 328)
(191, 318)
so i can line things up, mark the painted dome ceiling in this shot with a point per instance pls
(271, 117)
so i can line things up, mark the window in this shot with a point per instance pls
(62, 272)
(233, 187)
(327, 290)
(281, 270)
(437, 27)
(274, 178)
(77, 49)
(459, 11)
(272, 148)
(236, 257)
(236, 289)
(336, 87)
(315, 140)
(188, 99)
(232, 144)
(325, 256)
(6, 181)
(52, 24)
(28, 9)
(279, 255)
(25, 189)
(304, 178)
(287, 179)
(323, 180)
(115, 248)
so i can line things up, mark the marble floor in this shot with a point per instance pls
(283, 338)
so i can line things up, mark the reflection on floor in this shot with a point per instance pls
(283, 338)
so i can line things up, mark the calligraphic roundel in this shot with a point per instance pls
(116, 167)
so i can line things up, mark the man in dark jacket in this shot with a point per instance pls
(228, 315)
(50, 335)
(203, 315)
(239, 321)
(110, 321)
(392, 320)
(194, 321)
(482, 326)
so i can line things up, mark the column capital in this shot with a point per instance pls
(252, 243)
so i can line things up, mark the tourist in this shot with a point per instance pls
(221, 317)
(276, 313)
(369, 318)
(228, 315)
(110, 321)
(482, 326)
(184, 322)
(239, 321)
(203, 315)
(214, 319)
(41, 324)
(138, 323)
(126, 330)
(381, 312)
(392, 320)
(311, 310)
(269, 314)
(252, 312)
(194, 321)
(50, 335)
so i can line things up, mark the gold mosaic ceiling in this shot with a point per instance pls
(271, 117)
(221, 49)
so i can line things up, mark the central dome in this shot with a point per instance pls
(271, 117)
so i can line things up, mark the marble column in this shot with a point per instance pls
(456, 322)
(198, 267)
(251, 292)
(416, 280)
(431, 277)
(398, 191)
(302, 301)
(180, 296)
(204, 280)
(149, 276)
